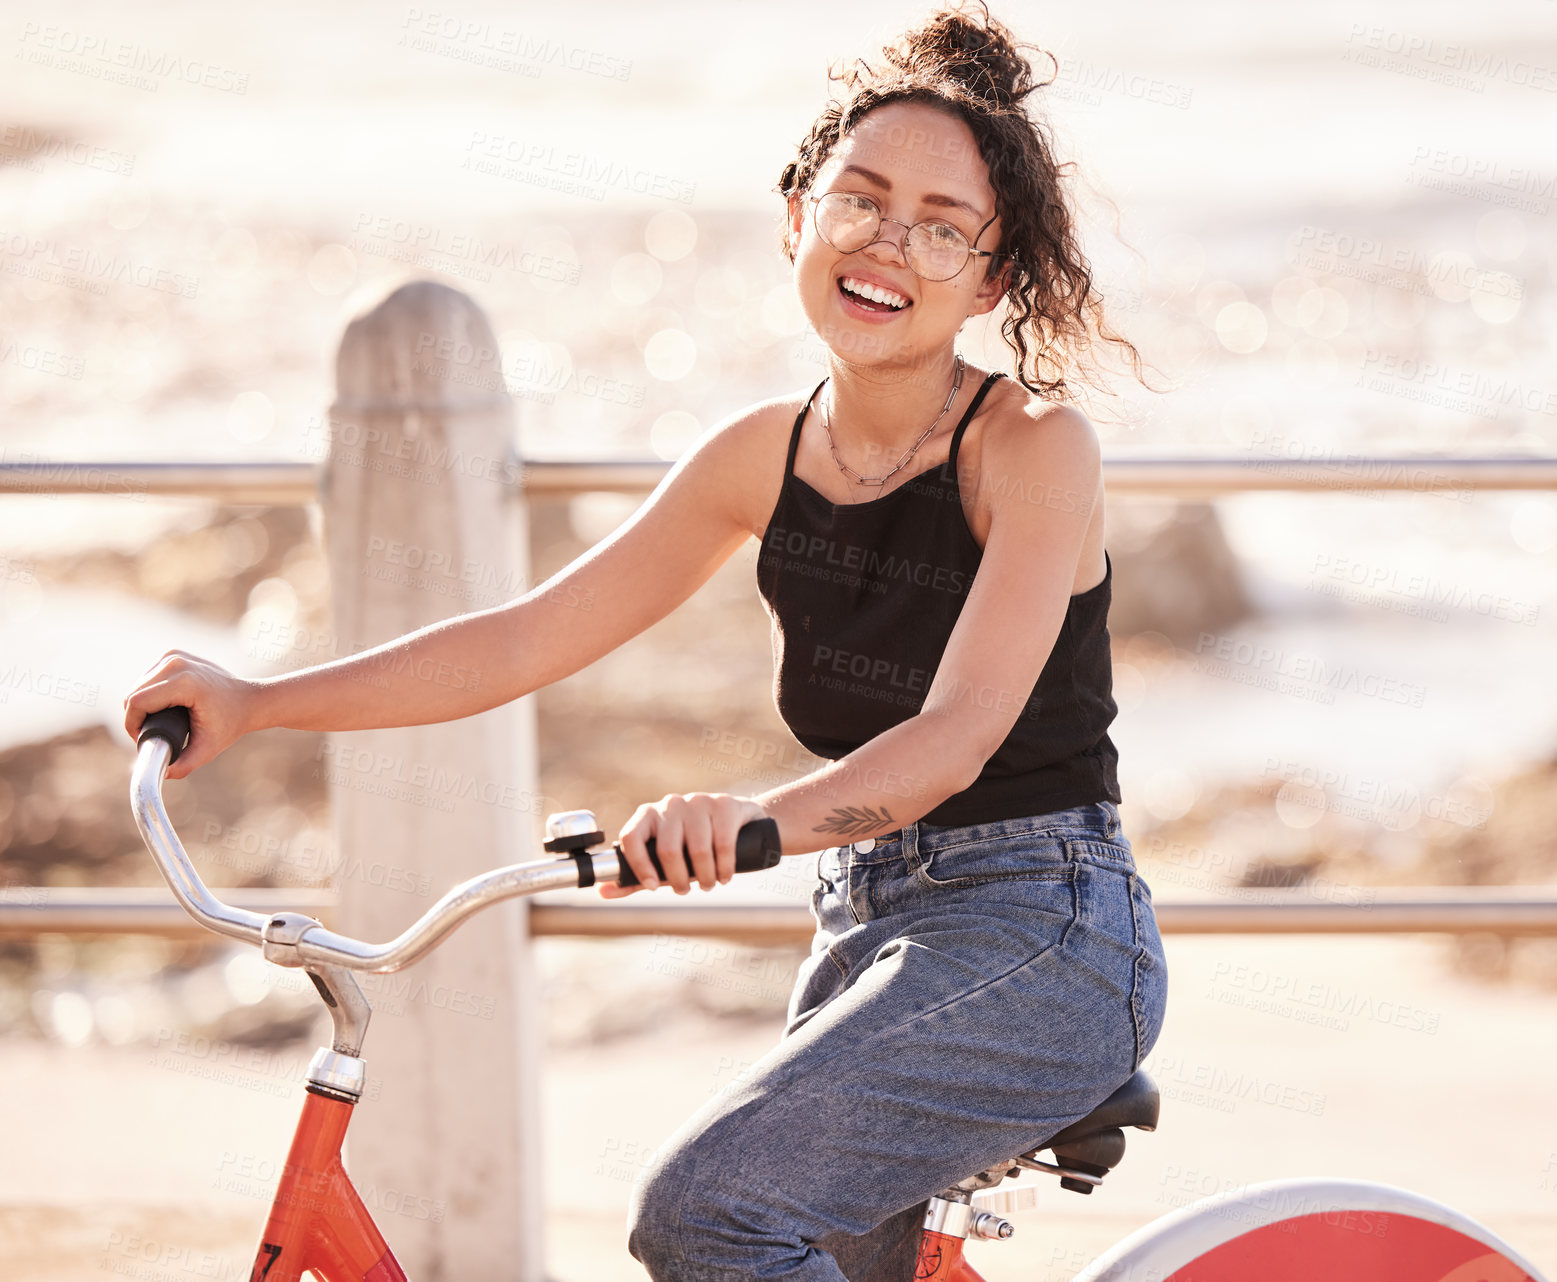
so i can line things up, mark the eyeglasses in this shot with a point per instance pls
(933, 250)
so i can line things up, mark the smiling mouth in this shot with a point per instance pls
(873, 298)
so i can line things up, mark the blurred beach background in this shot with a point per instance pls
(1332, 226)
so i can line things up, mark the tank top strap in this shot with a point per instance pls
(794, 436)
(973, 408)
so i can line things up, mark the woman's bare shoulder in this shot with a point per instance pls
(744, 455)
(1024, 430)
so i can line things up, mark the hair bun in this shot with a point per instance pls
(971, 49)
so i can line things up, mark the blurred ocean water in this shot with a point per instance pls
(1336, 232)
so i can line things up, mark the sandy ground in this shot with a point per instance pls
(1357, 1057)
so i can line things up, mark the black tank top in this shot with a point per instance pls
(863, 598)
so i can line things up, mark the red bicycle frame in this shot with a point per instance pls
(940, 1260)
(317, 1220)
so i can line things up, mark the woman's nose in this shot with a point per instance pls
(897, 243)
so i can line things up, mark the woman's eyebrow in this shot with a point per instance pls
(931, 198)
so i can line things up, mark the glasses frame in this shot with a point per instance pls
(908, 230)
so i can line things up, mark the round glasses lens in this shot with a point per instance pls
(936, 251)
(847, 222)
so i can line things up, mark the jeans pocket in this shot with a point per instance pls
(1019, 857)
(1113, 853)
(830, 902)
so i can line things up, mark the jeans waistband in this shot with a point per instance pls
(1094, 818)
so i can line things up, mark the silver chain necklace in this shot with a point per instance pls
(902, 462)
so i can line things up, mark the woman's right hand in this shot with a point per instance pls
(222, 707)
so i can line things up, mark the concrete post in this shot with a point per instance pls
(422, 522)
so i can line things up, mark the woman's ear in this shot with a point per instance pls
(796, 222)
(992, 289)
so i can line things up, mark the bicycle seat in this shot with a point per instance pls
(1095, 1143)
(1136, 1104)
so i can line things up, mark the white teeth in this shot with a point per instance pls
(874, 292)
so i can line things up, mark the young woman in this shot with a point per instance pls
(987, 966)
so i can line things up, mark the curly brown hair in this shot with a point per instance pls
(971, 66)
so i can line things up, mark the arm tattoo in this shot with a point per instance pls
(855, 821)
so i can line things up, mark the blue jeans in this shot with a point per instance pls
(970, 992)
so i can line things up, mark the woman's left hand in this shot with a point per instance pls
(705, 823)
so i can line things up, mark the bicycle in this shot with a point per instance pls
(1293, 1230)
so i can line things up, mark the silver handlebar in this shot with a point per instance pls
(292, 939)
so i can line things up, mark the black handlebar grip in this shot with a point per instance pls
(756, 847)
(171, 725)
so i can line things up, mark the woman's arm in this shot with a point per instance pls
(1040, 477)
(693, 522)
(1002, 640)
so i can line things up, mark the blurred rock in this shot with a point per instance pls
(65, 813)
(211, 569)
(256, 816)
(1174, 572)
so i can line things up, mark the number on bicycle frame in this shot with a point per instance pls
(273, 1250)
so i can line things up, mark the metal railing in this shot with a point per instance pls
(1180, 475)
(135, 910)
(1458, 910)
